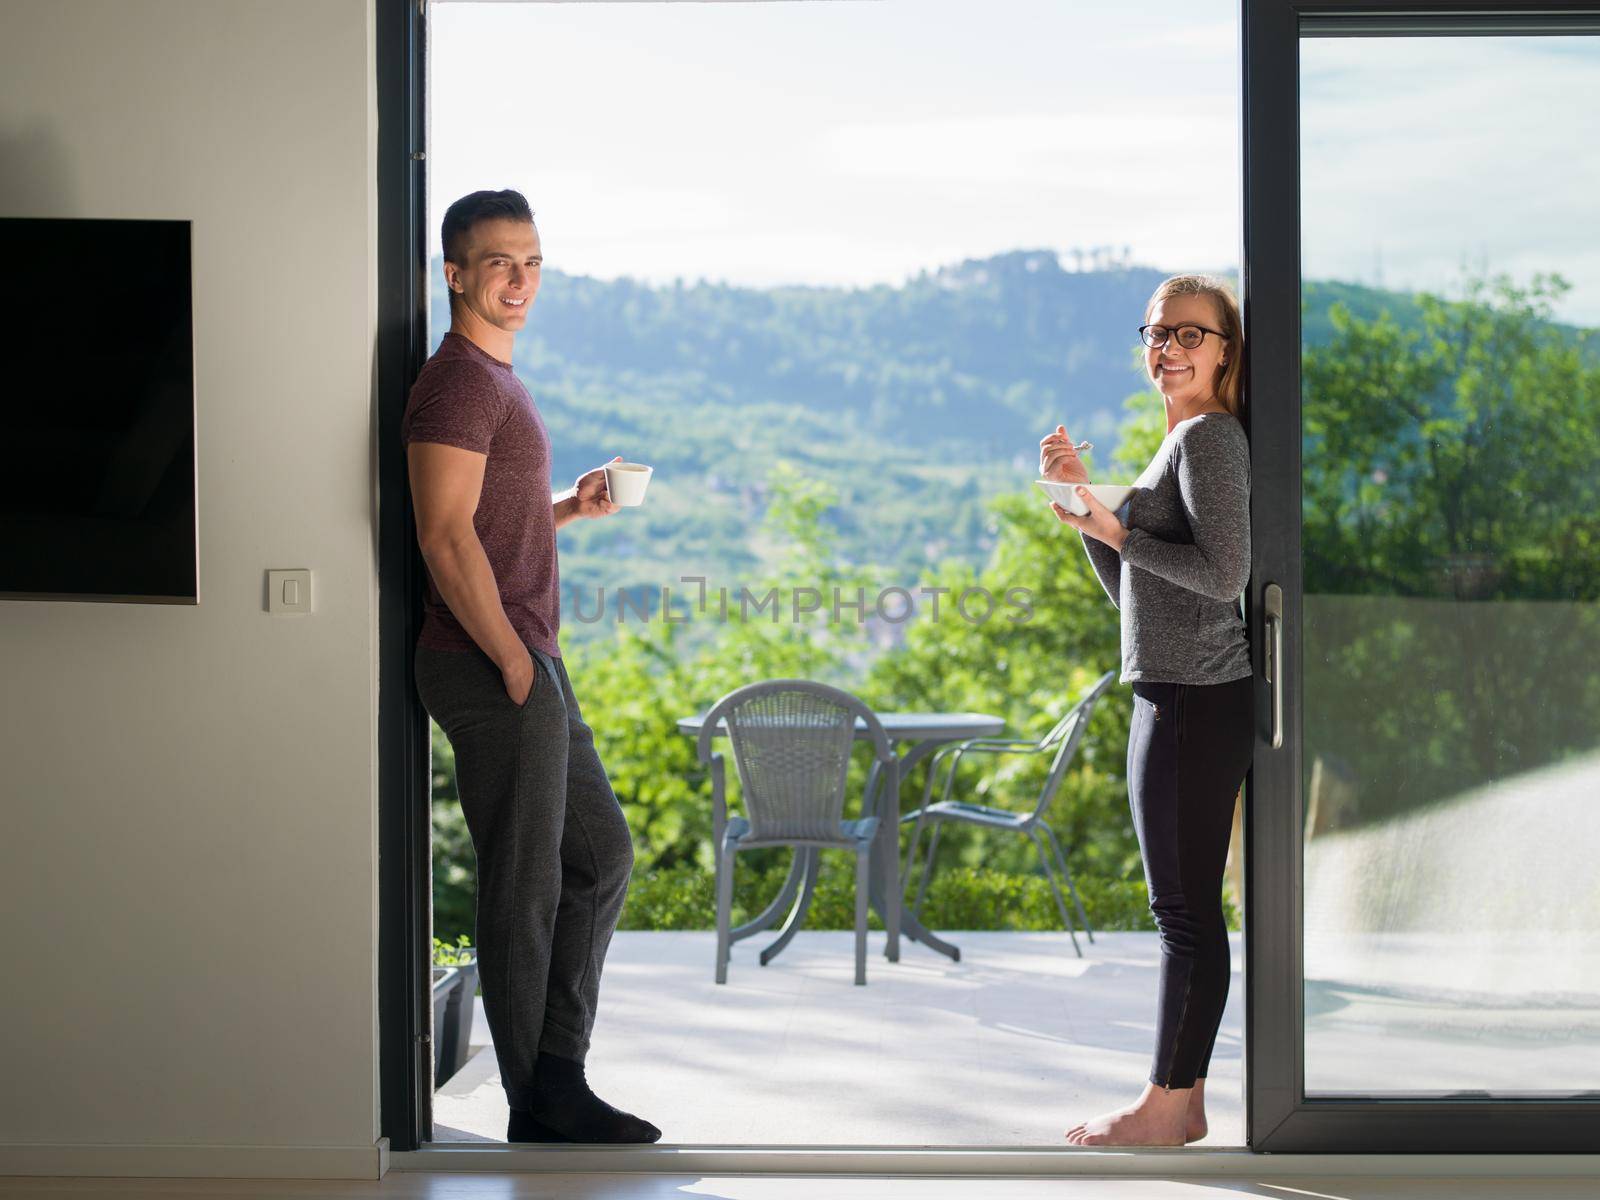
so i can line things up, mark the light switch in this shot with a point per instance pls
(289, 592)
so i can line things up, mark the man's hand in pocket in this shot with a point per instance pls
(518, 677)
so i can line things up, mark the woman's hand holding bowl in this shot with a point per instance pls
(1100, 523)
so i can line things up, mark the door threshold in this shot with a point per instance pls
(1159, 1163)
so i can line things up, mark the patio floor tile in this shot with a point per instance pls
(1010, 1046)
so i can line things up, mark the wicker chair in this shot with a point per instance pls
(791, 743)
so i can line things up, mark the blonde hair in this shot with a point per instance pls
(1230, 379)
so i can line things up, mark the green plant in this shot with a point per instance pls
(454, 954)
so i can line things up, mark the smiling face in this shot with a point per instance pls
(1187, 378)
(498, 276)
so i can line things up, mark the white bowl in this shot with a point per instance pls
(1112, 495)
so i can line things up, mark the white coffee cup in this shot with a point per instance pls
(626, 482)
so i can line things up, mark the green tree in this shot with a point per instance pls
(1031, 671)
(454, 867)
(1020, 639)
(1451, 526)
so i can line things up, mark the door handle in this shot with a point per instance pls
(1273, 606)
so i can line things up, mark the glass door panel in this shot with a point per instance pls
(1449, 686)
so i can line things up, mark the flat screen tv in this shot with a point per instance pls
(97, 483)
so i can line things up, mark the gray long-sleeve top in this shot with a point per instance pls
(1187, 558)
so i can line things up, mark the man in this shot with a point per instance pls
(553, 848)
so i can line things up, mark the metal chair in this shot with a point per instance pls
(791, 743)
(1062, 741)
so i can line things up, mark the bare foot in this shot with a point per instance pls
(1194, 1127)
(1158, 1118)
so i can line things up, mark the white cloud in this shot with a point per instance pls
(992, 150)
(840, 142)
(1431, 152)
(844, 143)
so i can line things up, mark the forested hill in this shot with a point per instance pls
(908, 403)
(978, 357)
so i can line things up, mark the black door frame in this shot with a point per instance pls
(1278, 1116)
(405, 869)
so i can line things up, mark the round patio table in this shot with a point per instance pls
(920, 733)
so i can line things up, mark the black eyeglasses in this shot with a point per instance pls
(1189, 336)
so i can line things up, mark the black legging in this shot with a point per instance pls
(1189, 747)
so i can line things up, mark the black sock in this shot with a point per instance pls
(563, 1104)
(525, 1128)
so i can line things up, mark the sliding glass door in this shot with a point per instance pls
(1421, 279)
(1422, 297)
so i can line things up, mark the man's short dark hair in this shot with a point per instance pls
(466, 212)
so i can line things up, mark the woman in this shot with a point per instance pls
(1175, 565)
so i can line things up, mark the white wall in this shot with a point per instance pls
(188, 864)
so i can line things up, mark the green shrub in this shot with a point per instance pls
(678, 898)
(959, 898)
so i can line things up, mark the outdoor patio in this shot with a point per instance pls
(1008, 1047)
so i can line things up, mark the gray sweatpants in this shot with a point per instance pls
(553, 853)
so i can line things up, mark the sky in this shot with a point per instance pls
(1443, 151)
(862, 141)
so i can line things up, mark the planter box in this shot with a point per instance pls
(446, 984)
(452, 1054)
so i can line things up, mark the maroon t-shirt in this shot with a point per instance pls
(466, 397)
